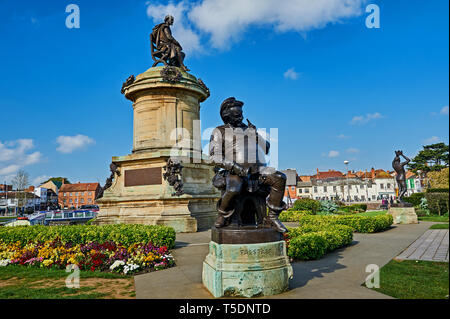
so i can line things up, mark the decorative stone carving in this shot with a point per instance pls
(173, 176)
(114, 170)
(171, 74)
(128, 82)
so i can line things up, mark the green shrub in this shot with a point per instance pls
(314, 241)
(414, 199)
(352, 209)
(292, 215)
(125, 234)
(438, 203)
(360, 224)
(307, 204)
(328, 206)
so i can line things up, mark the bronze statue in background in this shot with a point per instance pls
(164, 48)
(399, 168)
(114, 171)
(248, 185)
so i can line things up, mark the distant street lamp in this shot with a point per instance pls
(348, 189)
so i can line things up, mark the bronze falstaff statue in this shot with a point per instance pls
(164, 48)
(399, 168)
(246, 182)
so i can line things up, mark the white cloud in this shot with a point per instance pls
(352, 150)
(189, 40)
(431, 140)
(444, 110)
(226, 21)
(68, 144)
(14, 155)
(363, 119)
(343, 136)
(332, 154)
(291, 74)
(40, 179)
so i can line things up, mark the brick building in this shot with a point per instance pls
(5, 188)
(77, 195)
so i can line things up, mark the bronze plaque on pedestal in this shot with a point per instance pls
(144, 176)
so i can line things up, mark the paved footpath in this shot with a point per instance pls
(431, 246)
(337, 275)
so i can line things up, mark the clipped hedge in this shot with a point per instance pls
(307, 204)
(360, 224)
(293, 215)
(126, 234)
(414, 199)
(314, 241)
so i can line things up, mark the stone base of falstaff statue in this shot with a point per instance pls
(165, 109)
(403, 213)
(246, 262)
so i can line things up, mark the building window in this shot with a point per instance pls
(334, 189)
(90, 193)
(82, 201)
(89, 200)
(300, 190)
(65, 194)
(71, 194)
(315, 189)
(292, 188)
(70, 200)
(306, 190)
(362, 186)
(324, 189)
(382, 186)
(388, 185)
(373, 197)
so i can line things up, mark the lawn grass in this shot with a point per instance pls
(373, 213)
(30, 282)
(433, 218)
(439, 226)
(410, 279)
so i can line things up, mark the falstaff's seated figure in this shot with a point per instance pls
(240, 152)
(165, 49)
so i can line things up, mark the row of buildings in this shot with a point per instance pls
(53, 194)
(373, 185)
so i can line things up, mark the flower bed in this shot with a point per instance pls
(314, 241)
(360, 224)
(114, 248)
(126, 234)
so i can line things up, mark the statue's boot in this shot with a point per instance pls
(274, 212)
(223, 215)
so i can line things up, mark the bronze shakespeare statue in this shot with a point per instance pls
(399, 168)
(248, 185)
(164, 48)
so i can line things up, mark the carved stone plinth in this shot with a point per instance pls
(403, 215)
(165, 110)
(247, 270)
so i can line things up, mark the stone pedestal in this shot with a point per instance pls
(165, 117)
(403, 215)
(246, 269)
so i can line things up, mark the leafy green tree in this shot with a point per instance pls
(432, 158)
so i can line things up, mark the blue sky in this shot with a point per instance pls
(335, 89)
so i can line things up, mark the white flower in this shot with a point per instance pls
(4, 262)
(116, 264)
